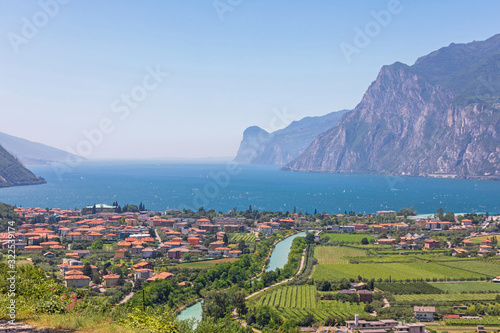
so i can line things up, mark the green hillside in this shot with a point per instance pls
(14, 173)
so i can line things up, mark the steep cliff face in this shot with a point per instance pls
(419, 122)
(282, 146)
(13, 173)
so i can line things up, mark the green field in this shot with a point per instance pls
(395, 271)
(349, 238)
(489, 268)
(107, 247)
(477, 240)
(457, 288)
(424, 298)
(298, 301)
(205, 264)
(336, 254)
(238, 237)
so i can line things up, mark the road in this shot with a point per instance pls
(129, 296)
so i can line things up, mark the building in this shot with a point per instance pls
(386, 212)
(234, 253)
(431, 244)
(424, 312)
(161, 276)
(137, 250)
(144, 265)
(110, 280)
(143, 273)
(193, 241)
(371, 326)
(149, 252)
(33, 248)
(177, 253)
(410, 328)
(121, 253)
(386, 241)
(78, 281)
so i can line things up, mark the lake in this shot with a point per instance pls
(162, 185)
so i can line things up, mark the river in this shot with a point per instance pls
(278, 259)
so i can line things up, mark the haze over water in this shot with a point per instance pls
(163, 185)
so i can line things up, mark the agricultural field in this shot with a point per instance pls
(108, 247)
(394, 271)
(205, 264)
(298, 301)
(246, 237)
(398, 288)
(489, 268)
(477, 240)
(426, 298)
(336, 254)
(457, 288)
(346, 238)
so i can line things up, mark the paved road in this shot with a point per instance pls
(129, 296)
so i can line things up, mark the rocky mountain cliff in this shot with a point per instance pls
(439, 118)
(14, 173)
(33, 153)
(280, 147)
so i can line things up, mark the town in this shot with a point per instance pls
(375, 273)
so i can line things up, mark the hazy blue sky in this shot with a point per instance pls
(231, 64)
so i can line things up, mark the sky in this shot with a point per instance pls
(124, 79)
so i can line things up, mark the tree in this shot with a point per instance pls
(121, 280)
(87, 270)
(94, 209)
(242, 245)
(365, 241)
(330, 321)
(439, 213)
(97, 278)
(238, 301)
(97, 245)
(187, 256)
(310, 238)
(369, 308)
(216, 305)
(494, 241)
(225, 240)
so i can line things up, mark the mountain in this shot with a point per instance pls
(439, 117)
(282, 146)
(14, 173)
(33, 153)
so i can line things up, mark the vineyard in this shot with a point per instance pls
(398, 288)
(423, 298)
(302, 297)
(490, 268)
(298, 301)
(336, 254)
(346, 238)
(473, 322)
(238, 237)
(457, 288)
(400, 271)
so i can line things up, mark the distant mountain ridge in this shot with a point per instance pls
(282, 146)
(33, 153)
(14, 173)
(439, 117)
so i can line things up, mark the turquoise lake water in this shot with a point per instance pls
(279, 257)
(163, 185)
